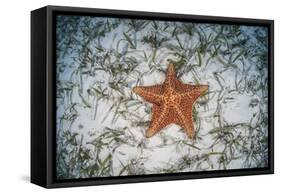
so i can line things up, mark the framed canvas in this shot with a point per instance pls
(125, 96)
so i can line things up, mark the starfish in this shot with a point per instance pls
(172, 103)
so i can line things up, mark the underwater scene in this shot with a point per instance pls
(104, 125)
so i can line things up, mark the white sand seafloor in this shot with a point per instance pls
(101, 123)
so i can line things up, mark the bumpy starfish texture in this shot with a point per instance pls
(172, 103)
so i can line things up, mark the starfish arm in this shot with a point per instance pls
(192, 92)
(180, 87)
(170, 77)
(161, 118)
(150, 93)
(198, 91)
(185, 120)
(184, 109)
(171, 73)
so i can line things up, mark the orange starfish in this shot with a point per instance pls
(172, 102)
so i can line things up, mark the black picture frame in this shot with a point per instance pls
(43, 90)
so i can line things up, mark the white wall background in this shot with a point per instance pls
(15, 94)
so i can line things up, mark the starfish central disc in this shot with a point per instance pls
(173, 100)
(172, 103)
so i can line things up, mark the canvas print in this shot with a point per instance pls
(141, 97)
